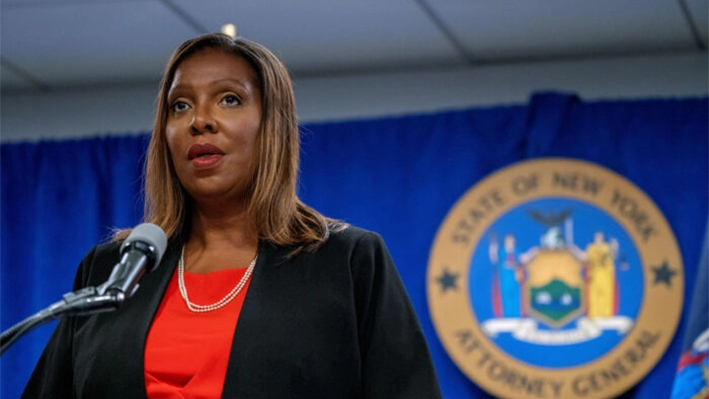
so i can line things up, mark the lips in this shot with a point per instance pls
(203, 150)
(204, 155)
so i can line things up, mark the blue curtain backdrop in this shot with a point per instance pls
(691, 380)
(398, 176)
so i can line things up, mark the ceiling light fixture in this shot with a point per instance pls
(229, 30)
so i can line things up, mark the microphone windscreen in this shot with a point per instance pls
(150, 234)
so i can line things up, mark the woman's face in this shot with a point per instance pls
(214, 114)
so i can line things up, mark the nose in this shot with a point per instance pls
(203, 121)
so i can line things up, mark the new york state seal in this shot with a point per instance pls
(555, 278)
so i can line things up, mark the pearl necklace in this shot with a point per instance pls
(219, 304)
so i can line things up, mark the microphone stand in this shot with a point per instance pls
(84, 302)
(142, 249)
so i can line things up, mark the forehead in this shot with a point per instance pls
(210, 64)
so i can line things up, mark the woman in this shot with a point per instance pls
(258, 295)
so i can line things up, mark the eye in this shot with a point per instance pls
(230, 100)
(179, 106)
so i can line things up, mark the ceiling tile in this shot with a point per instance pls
(506, 29)
(89, 42)
(312, 36)
(44, 3)
(699, 10)
(9, 81)
(92, 43)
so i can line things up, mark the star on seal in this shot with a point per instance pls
(663, 274)
(448, 281)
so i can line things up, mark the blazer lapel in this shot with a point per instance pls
(249, 324)
(136, 316)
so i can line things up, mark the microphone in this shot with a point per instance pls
(140, 254)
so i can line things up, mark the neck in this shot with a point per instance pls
(219, 238)
(212, 223)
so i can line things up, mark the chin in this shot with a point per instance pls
(226, 194)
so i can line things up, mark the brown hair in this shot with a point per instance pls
(274, 209)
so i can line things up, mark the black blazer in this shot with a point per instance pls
(334, 323)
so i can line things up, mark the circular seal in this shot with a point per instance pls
(555, 278)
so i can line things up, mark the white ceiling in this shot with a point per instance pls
(50, 45)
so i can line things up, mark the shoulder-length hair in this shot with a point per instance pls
(273, 207)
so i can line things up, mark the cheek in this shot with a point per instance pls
(173, 149)
(243, 137)
(173, 144)
(252, 149)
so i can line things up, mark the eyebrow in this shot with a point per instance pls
(235, 81)
(238, 82)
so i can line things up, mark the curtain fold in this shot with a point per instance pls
(398, 176)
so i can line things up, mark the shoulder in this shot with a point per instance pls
(353, 236)
(352, 241)
(346, 244)
(107, 252)
(107, 249)
(363, 250)
(97, 265)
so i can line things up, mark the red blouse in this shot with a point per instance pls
(186, 353)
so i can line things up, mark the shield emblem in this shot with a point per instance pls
(554, 290)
